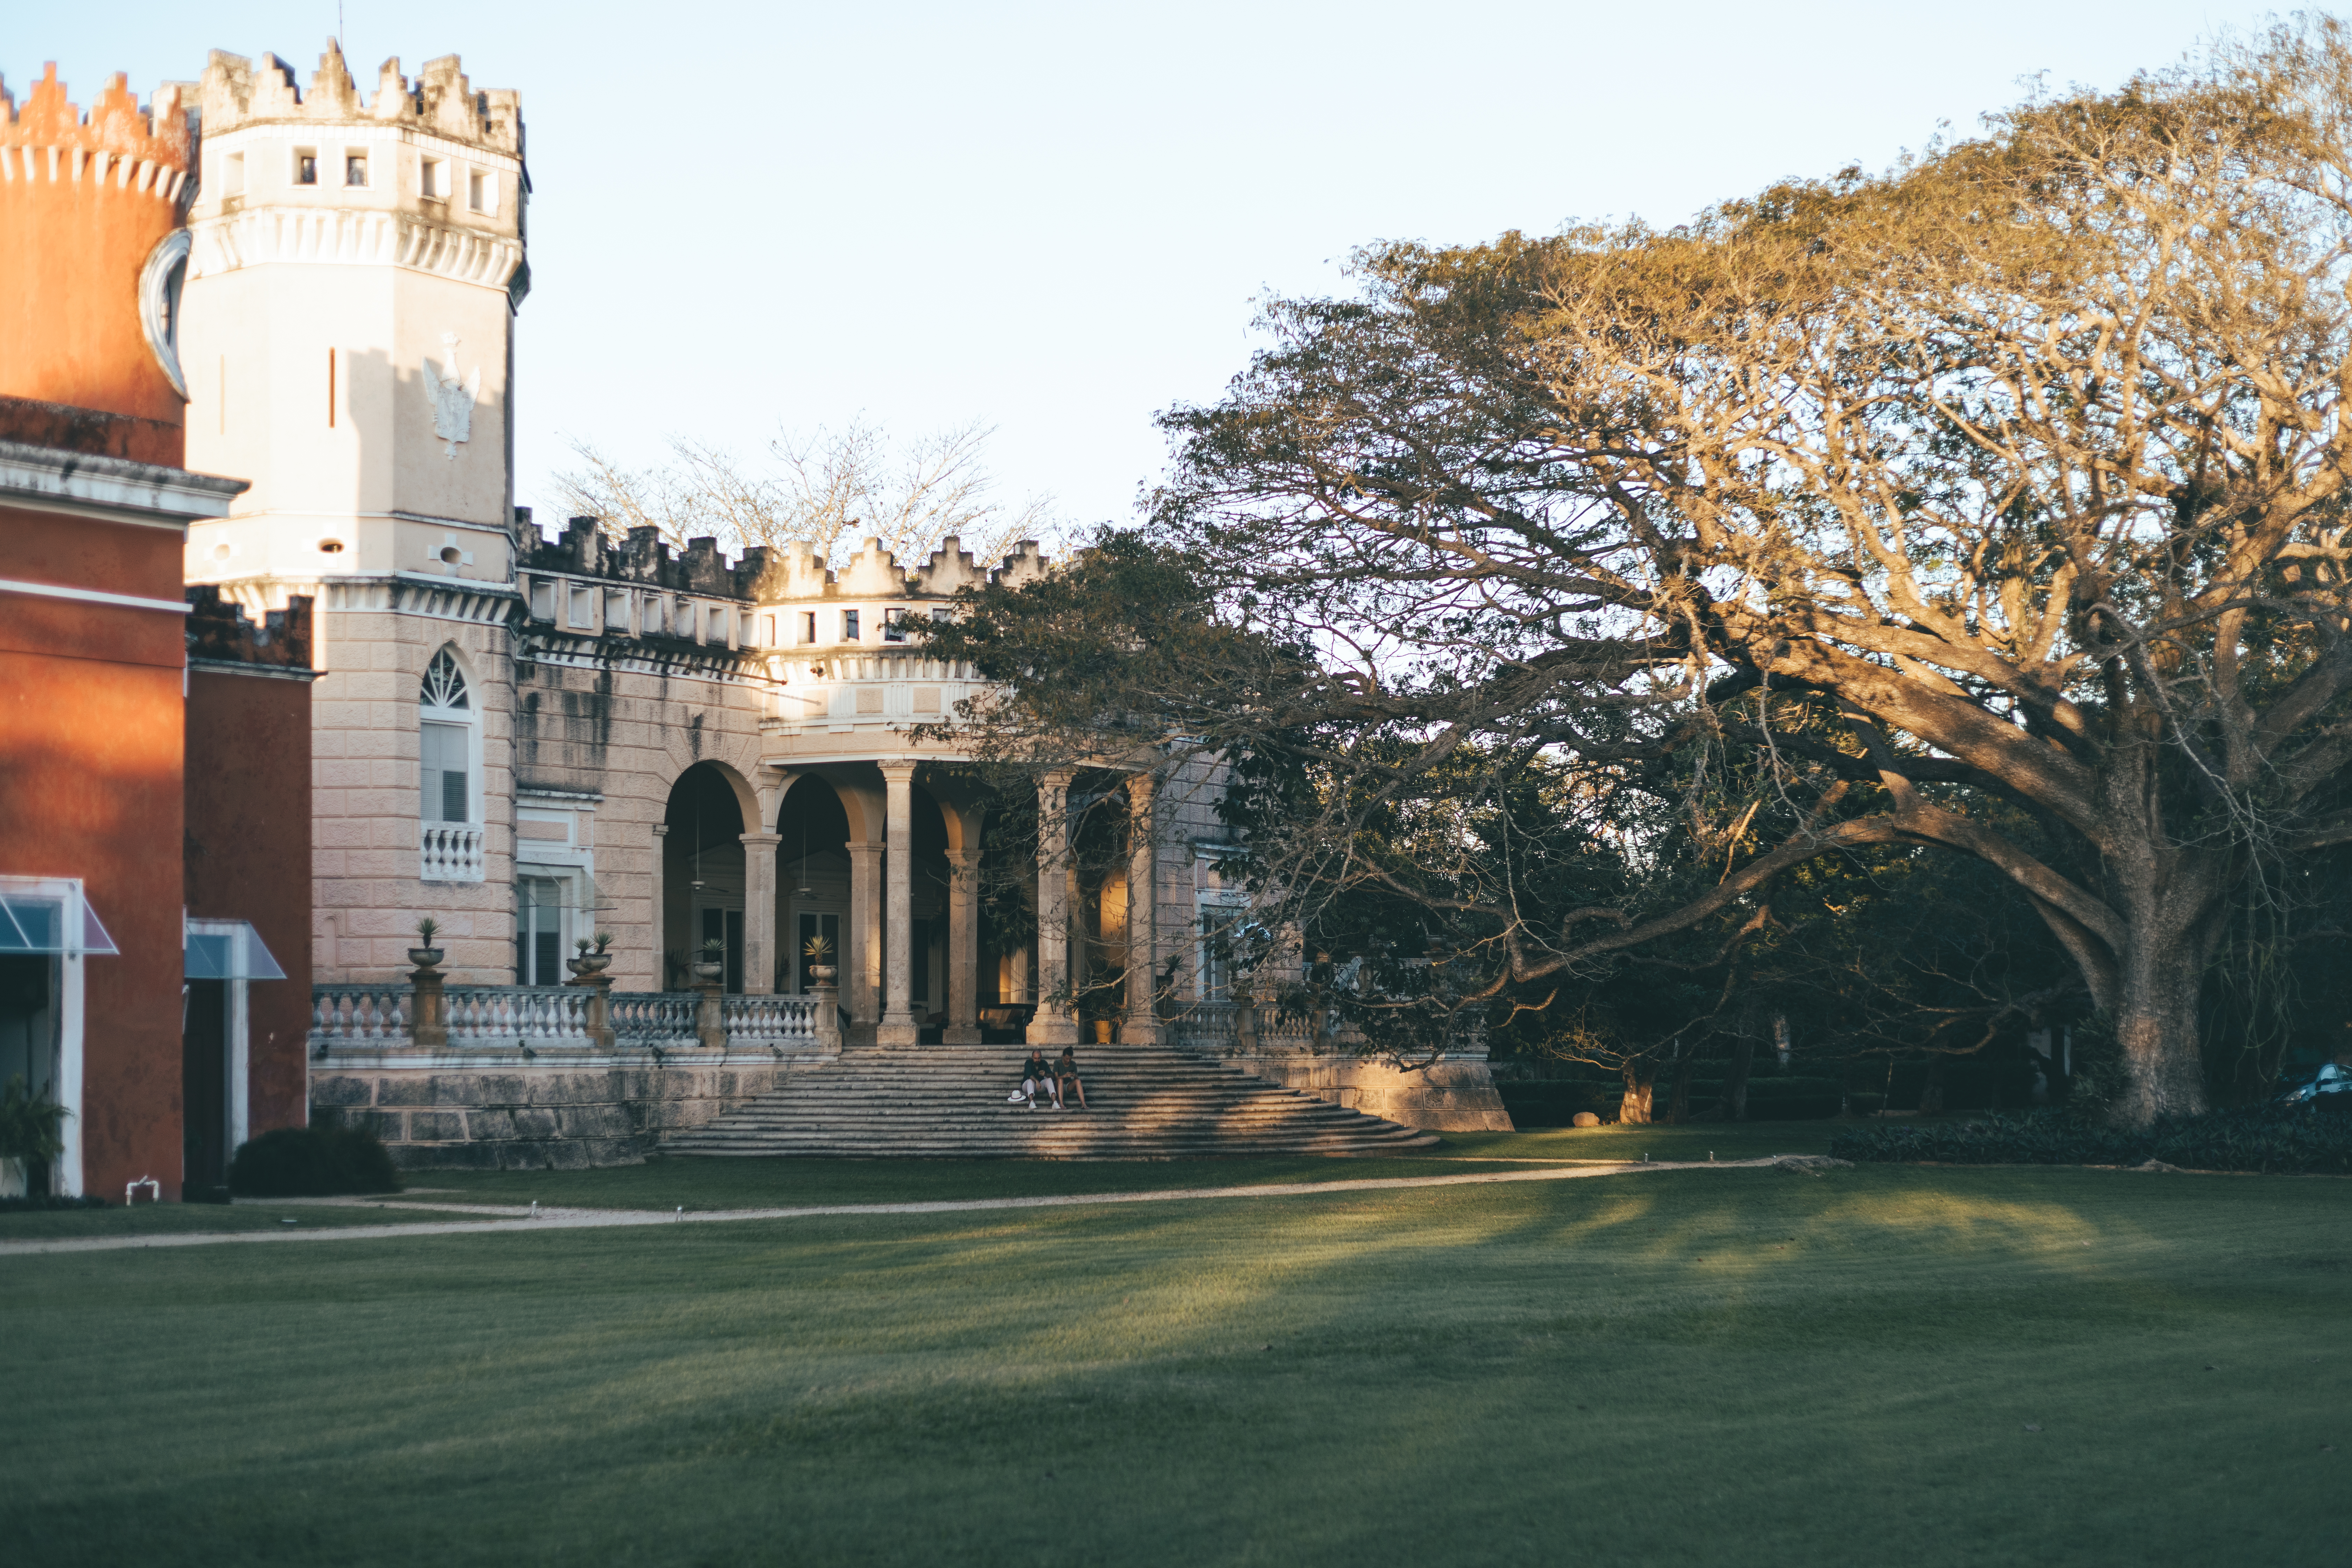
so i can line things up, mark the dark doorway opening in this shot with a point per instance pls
(204, 1094)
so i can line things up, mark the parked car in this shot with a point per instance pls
(2330, 1089)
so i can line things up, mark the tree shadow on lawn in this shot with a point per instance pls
(894, 1387)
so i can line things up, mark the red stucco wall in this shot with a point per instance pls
(90, 748)
(248, 858)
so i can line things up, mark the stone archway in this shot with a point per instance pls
(706, 878)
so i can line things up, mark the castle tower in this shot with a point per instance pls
(355, 263)
(355, 267)
(89, 271)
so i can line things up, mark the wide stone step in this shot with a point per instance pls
(929, 1101)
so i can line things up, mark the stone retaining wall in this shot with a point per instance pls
(526, 1118)
(1455, 1094)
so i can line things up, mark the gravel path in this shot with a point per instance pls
(546, 1218)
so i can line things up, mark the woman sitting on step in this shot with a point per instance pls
(1065, 1079)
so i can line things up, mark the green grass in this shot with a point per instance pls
(723, 1184)
(189, 1219)
(1738, 1367)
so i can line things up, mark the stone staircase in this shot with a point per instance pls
(948, 1102)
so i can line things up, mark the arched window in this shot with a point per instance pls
(449, 750)
(447, 743)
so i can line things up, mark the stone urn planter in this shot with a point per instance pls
(589, 963)
(710, 974)
(424, 957)
(822, 973)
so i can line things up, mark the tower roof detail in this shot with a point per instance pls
(441, 101)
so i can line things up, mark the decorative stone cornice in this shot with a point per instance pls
(352, 236)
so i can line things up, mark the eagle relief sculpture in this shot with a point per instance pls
(453, 404)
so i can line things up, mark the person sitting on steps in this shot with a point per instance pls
(1066, 1079)
(1036, 1078)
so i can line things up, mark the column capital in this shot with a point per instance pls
(661, 830)
(898, 770)
(761, 840)
(1056, 778)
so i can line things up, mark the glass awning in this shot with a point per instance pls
(229, 950)
(38, 916)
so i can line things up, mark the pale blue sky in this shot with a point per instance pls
(1057, 217)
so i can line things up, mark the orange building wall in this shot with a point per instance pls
(81, 207)
(90, 748)
(248, 858)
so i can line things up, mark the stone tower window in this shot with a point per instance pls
(355, 169)
(431, 182)
(446, 743)
(306, 165)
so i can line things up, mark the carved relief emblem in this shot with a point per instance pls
(453, 403)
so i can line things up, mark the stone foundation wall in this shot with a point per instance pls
(532, 1117)
(1453, 1095)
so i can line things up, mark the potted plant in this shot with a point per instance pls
(31, 1128)
(712, 964)
(817, 950)
(425, 956)
(593, 959)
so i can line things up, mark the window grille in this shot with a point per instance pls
(445, 683)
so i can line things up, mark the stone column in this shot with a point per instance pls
(759, 912)
(899, 1026)
(861, 962)
(1141, 1026)
(963, 948)
(1055, 1023)
(660, 928)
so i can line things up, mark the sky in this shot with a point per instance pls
(1057, 219)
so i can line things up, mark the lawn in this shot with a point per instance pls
(720, 1183)
(1693, 1367)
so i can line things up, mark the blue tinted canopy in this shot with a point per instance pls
(229, 954)
(48, 919)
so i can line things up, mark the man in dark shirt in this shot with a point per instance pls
(1036, 1078)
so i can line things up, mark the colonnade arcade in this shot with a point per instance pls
(883, 860)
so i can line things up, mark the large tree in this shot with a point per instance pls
(2006, 486)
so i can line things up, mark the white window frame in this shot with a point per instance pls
(470, 719)
(239, 1028)
(65, 1171)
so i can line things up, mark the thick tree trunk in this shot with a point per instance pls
(2155, 1013)
(1640, 1074)
(1931, 1092)
(1678, 1102)
(1734, 1104)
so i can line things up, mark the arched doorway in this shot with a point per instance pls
(702, 875)
(812, 881)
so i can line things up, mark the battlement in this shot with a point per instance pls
(118, 143)
(237, 92)
(762, 575)
(219, 633)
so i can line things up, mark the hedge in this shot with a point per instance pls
(312, 1162)
(2259, 1138)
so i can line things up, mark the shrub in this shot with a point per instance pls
(2260, 1138)
(310, 1163)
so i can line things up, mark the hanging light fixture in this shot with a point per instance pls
(803, 890)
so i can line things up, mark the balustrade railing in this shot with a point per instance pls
(768, 1020)
(654, 1018)
(360, 1015)
(501, 1015)
(449, 852)
(480, 1017)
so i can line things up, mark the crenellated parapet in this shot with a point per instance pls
(441, 103)
(142, 152)
(425, 175)
(218, 632)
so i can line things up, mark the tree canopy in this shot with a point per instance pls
(1992, 505)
